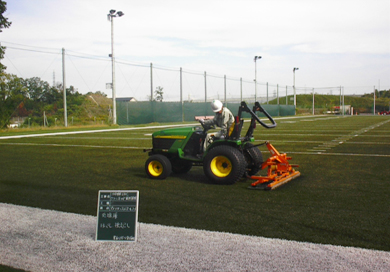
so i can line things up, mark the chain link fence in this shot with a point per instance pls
(185, 93)
(160, 112)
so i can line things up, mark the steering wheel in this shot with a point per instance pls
(206, 127)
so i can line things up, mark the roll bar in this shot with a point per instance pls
(254, 118)
(256, 107)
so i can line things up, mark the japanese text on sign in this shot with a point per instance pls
(117, 216)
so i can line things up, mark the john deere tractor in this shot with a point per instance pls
(224, 161)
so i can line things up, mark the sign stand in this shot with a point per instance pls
(117, 216)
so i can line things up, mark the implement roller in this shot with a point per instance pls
(279, 171)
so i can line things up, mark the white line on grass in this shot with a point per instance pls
(97, 138)
(88, 131)
(133, 147)
(67, 145)
(338, 154)
(344, 138)
(124, 129)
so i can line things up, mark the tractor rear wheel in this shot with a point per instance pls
(158, 167)
(181, 166)
(254, 159)
(224, 165)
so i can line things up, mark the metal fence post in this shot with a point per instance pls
(224, 78)
(240, 89)
(205, 87)
(286, 97)
(151, 81)
(313, 102)
(64, 87)
(181, 94)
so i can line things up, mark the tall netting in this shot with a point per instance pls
(184, 93)
(162, 112)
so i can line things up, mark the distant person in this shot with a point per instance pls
(223, 118)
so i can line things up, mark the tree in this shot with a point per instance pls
(4, 23)
(12, 95)
(37, 89)
(159, 93)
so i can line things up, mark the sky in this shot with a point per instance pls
(333, 43)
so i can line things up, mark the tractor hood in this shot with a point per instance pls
(175, 133)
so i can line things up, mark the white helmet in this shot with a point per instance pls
(216, 105)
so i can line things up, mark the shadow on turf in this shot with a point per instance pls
(195, 175)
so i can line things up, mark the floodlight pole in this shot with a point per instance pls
(295, 94)
(110, 17)
(255, 59)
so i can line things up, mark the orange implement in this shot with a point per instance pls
(279, 171)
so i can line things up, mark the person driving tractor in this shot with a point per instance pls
(223, 118)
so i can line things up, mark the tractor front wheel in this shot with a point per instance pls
(158, 167)
(224, 165)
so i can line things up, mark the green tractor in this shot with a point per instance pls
(225, 161)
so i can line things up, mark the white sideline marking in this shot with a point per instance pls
(67, 145)
(345, 138)
(316, 152)
(87, 131)
(338, 154)
(97, 138)
(123, 129)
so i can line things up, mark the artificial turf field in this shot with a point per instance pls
(341, 198)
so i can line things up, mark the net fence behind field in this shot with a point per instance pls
(152, 111)
(91, 73)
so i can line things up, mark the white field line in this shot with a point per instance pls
(320, 142)
(338, 154)
(68, 145)
(133, 128)
(98, 138)
(316, 152)
(87, 131)
(344, 138)
(322, 135)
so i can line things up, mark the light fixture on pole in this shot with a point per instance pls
(295, 94)
(255, 59)
(110, 17)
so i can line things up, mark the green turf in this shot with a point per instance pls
(342, 197)
(4, 268)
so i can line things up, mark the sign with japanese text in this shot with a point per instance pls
(117, 216)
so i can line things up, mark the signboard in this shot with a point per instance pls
(117, 216)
